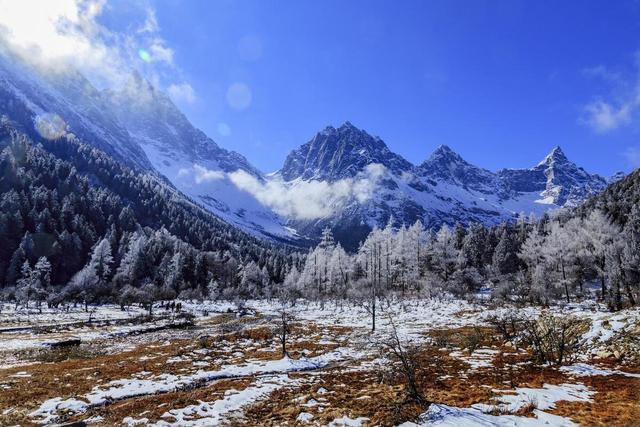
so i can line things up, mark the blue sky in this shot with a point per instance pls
(501, 82)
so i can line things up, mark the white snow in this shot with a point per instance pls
(476, 416)
(583, 370)
(304, 417)
(212, 413)
(126, 388)
(449, 416)
(543, 398)
(348, 422)
(480, 358)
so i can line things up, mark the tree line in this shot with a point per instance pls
(76, 225)
(568, 257)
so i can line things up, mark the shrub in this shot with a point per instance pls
(554, 339)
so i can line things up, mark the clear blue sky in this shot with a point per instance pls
(501, 82)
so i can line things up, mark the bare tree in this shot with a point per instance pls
(405, 358)
(283, 329)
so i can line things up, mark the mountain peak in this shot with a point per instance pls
(445, 151)
(340, 153)
(444, 164)
(555, 156)
(348, 125)
(564, 183)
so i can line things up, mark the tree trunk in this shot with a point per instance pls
(373, 313)
(632, 300)
(564, 279)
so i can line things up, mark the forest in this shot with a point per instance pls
(78, 227)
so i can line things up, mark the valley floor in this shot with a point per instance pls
(223, 369)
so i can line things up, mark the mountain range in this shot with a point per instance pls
(343, 178)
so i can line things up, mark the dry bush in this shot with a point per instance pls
(507, 325)
(405, 360)
(472, 340)
(50, 355)
(554, 339)
(466, 337)
(441, 338)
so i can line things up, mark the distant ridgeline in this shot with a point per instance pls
(75, 224)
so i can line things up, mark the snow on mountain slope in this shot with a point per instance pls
(191, 160)
(445, 189)
(139, 126)
(60, 101)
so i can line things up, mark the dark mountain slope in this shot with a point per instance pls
(60, 198)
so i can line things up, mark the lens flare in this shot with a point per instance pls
(144, 55)
(239, 96)
(50, 126)
(223, 129)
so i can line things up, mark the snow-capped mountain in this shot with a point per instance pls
(445, 189)
(57, 101)
(343, 177)
(340, 153)
(562, 182)
(191, 160)
(139, 126)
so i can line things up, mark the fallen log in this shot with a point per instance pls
(72, 342)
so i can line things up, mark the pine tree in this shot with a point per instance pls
(101, 260)
(42, 270)
(505, 256)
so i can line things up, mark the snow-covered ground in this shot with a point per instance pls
(334, 340)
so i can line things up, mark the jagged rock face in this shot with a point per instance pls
(153, 119)
(27, 96)
(445, 189)
(559, 181)
(447, 165)
(340, 153)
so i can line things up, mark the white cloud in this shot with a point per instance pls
(602, 72)
(603, 117)
(150, 24)
(309, 200)
(182, 92)
(306, 200)
(55, 34)
(159, 52)
(203, 174)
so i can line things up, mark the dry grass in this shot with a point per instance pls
(616, 402)
(77, 376)
(154, 406)
(351, 390)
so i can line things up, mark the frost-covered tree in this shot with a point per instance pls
(444, 252)
(29, 286)
(101, 260)
(600, 233)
